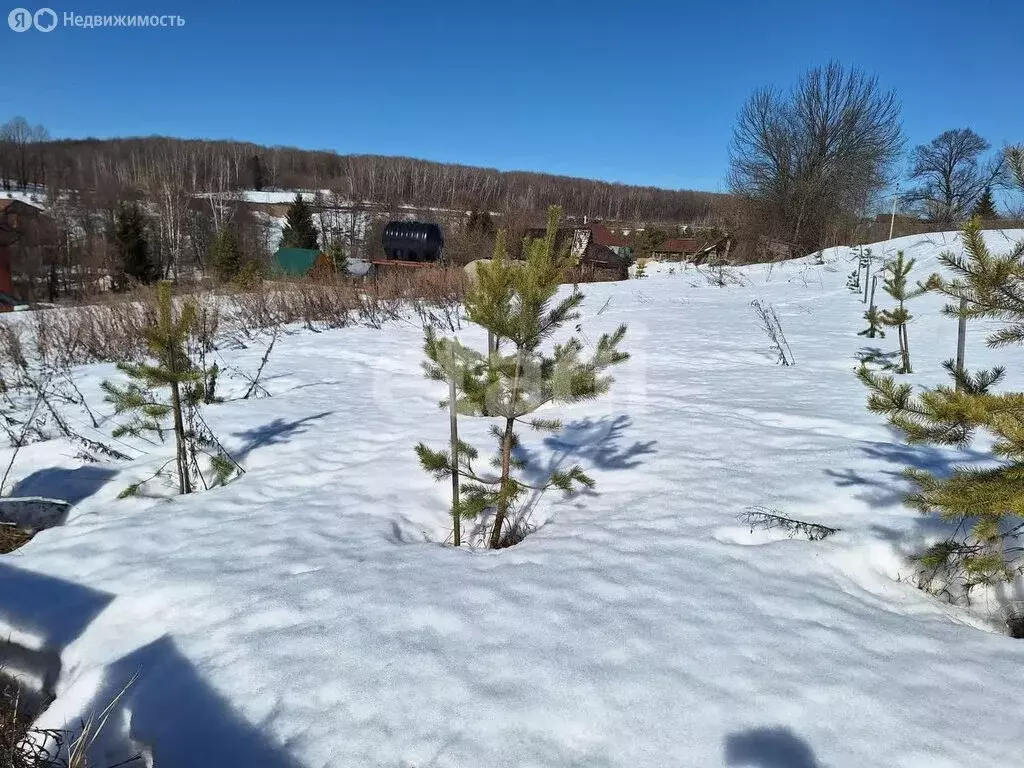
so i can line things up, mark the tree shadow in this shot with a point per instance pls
(875, 356)
(594, 442)
(177, 719)
(70, 485)
(769, 748)
(599, 442)
(167, 710)
(276, 432)
(890, 487)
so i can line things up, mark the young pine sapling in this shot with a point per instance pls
(895, 284)
(873, 316)
(516, 302)
(171, 368)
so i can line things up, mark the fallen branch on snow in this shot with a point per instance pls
(765, 519)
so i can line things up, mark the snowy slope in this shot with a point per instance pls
(307, 615)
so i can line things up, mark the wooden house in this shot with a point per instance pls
(17, 219)
(599, 254)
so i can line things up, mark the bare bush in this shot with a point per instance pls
(772, 327)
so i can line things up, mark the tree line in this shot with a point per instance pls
(29, 157)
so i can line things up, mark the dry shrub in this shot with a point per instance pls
(434, 293)
(314, 304)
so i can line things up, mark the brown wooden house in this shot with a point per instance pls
(16, 219)
(599, 254)
(693, 249)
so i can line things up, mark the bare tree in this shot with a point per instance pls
(952, 174)
(20, 155)
(810, 159)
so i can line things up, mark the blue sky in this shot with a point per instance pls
(640, 92)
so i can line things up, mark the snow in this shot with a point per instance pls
(33, 196)
(308, 615)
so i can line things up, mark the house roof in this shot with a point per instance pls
(678, 245)
(7, 300)
(604, 236)
(295, 262)
(588, 248)
(7, 203)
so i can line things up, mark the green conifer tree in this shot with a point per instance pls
(986, 503)
(132, 247)
(516, 302)
(225, 255)
(256, 173)
(853, 281)
(985, 208)
(299, 229)
(895, 284)
(336, 253)
(170, 367)
(644, 242)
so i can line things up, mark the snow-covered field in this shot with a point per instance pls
(308, 615)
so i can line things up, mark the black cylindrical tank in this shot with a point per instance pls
(412, 241)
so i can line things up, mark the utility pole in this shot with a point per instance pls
(892, 218)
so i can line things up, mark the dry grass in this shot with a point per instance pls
(14, 724)
(12, 537)
(435, 294)
(23, 746)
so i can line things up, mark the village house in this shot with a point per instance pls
(16, 218)
(599, 253)
(694, 249)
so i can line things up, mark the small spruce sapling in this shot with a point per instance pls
(336, 253)
(895, 284)
(865, 264)
(516, 302)
(853, 280)
(873, 316)
(170, 367)
(225, 257)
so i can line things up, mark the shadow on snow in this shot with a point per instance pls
(70, 485)
(169, 702)
(277, 432)
(768, 748)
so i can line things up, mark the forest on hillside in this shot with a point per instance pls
(29, 157)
